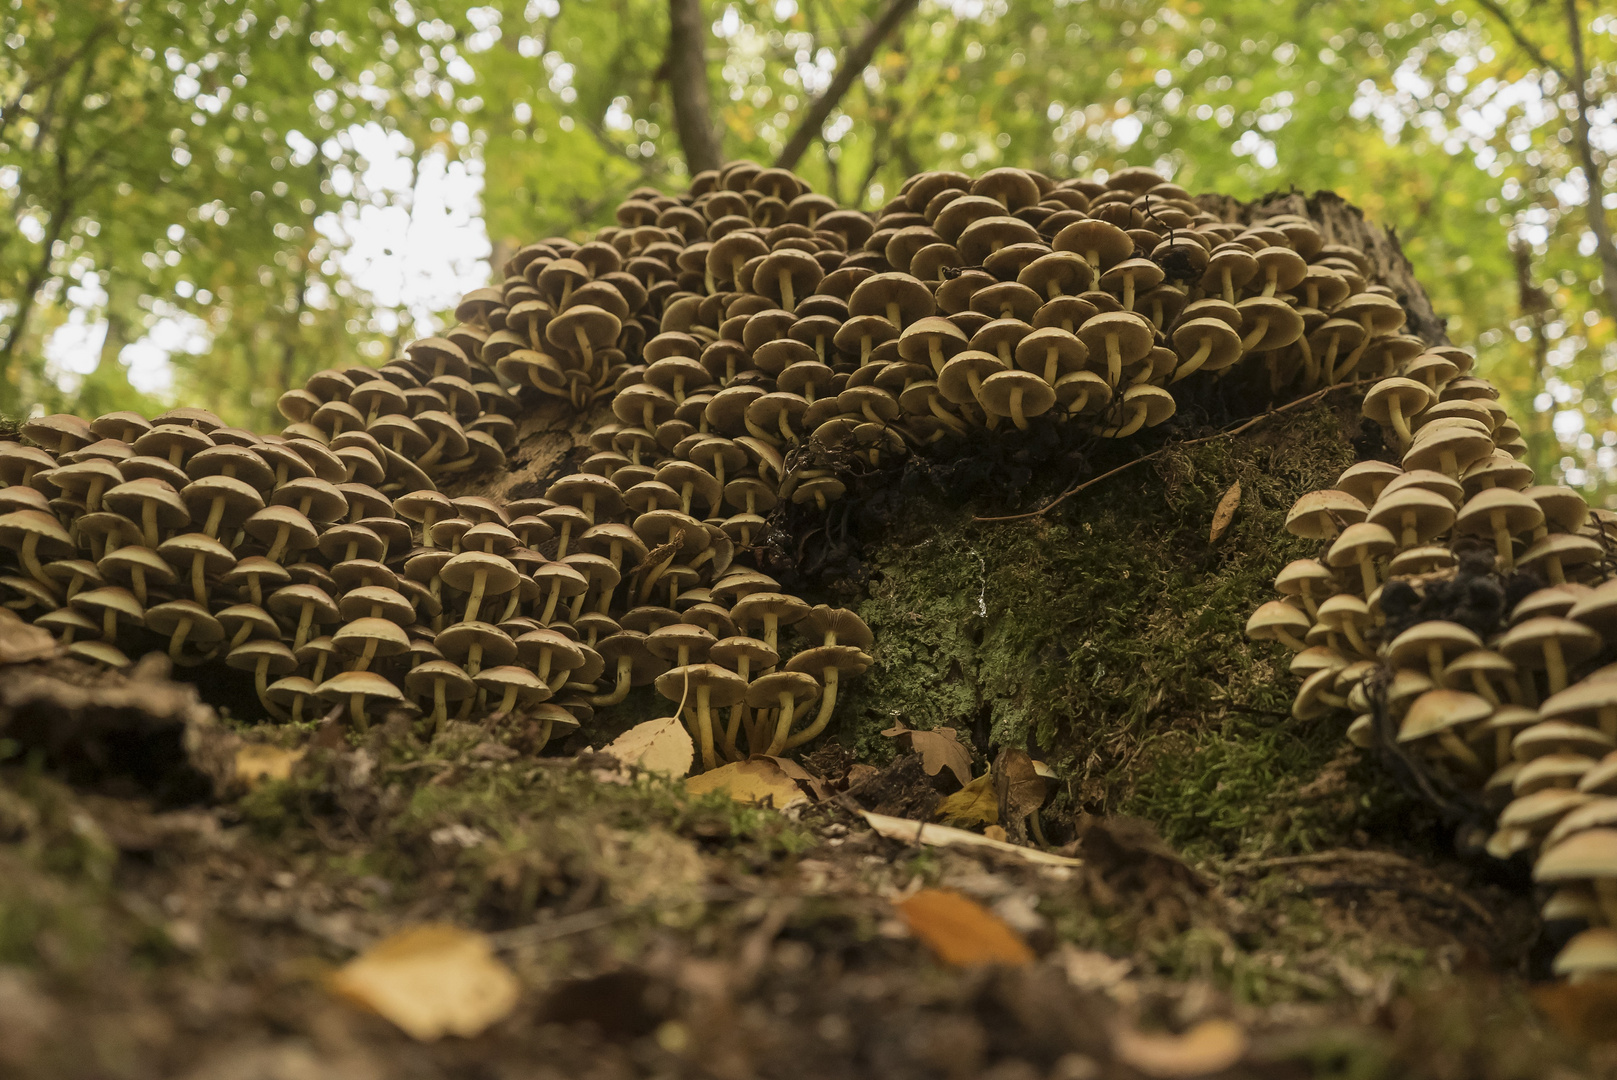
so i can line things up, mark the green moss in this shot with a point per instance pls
(1108, 636)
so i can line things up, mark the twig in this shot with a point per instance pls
(852, 66)
(1230, 432)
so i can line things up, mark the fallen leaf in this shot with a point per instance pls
(816, 787)
(431, 980)
(975, 804)
(1018, 790)
(756, 780)
(21, 642)
(656, 746)
(1209, 1047)
(1091, 970)
(961, 931)
(940, 748)
(1225, 513)
(260, 762)
(920, 832)
(1584, 1010)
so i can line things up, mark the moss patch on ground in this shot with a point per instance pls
(1107, 636)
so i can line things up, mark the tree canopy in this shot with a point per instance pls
(166, 163)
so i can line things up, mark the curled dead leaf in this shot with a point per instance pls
(756, 780)
(921, 832)
(657, 746)
(1210, 1047)
(961, 931)
(1225, 514)
(431, 980)
(940, 748)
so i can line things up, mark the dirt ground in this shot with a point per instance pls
(158, 919)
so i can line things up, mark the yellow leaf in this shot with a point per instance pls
(756, 780)
(431, 980)
(1225, 512)
(975, 804)
(657, 746)
(961, 931)
(1210, 1047)
(259, 762)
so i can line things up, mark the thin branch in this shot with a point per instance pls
(687, 85)
(852, 66)
(1226, 433)
(1523, 42)
(1592, 176)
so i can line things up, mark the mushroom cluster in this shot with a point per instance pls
(1467, 618)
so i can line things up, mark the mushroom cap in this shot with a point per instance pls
(1302, 575)
(1541, 808)
(423, 679)
(166, 618)
(289, 601)
(1363, 479)
(354, 636)
(99, 652)
(53, 541)
(277, 658)
(1313, 516)
(1591, 853)
(1000, 388)
(1591, 952)
(565, 654)
(666, 641)
(499, 575)
(1523, 644)
(1567, 548)
(1560, 736)
(132, 496)
(1442, 710)
(1133, 333)
(1553, 770)
(367, 684)
(182, 551)
(1412, 647)
(1564, 509)
(1466, 444)
(1316, 658)
(754, 607)
(1480, 661)
(725, 687)
(1363, 539)
(1520, 513)
(765, 691)
(497, 680)
(1597, 608)
(1602, 779)
(1432, 514)
(358, 603)
(847, 659)
(1270, 618)
(1284, 327)
(456, 642)
(730, 650)
(1411, 396)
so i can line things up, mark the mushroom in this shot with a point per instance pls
(714, 687)
(263, 657)
(32, 533)
(827, 663)
(1551, 645)
(359, 688)
(1393, 401)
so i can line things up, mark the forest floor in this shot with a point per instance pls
(1225, 892)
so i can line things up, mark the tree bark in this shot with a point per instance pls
(687, 83)
(1592, 178)
(852, 66)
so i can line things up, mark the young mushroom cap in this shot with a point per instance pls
(1549, 644)
(1279, 621)
(1321, 515)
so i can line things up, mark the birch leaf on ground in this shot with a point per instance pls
(961, 931)
(756, 780)
(1225, 514)
(940, 748)
(656, 746)
(431, 980)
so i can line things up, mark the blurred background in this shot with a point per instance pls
(206, 200)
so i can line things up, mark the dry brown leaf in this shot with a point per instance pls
(259, 762)
(961, 931)
(431, 980)
(21, 642)
(975, 804)
(940, 748)
(657, 746)
(1586, 1010)
(1227, 506)
(920, 832)
(756, 780)
(1018, 790)
(1210, 1047)
(816, 787)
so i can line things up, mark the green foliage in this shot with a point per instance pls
(181, 153)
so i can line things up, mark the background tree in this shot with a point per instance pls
(189, 162)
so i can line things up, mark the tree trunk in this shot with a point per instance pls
(687, 83)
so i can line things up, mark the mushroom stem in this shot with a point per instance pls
(584, 345)
(731, 730)
(176, 642)
(823, 717)
(1452, 743)
(363, 663)
(216, 513)
(1607, 720)
(148, 521)
(549, 611)
(1017, 417)
(1501, 541)
(199, 586)
(1434, 663)
(1114, 361)
(278, 547)
(356, 708)
(507, 701)
(261, 685)
(1554, 665)
(1197, 359)
(620, 689)
(475, 600)
(783, 724)
(305, 619)
(787, 300)
(109, 625)
(30, 560)
(474, 658)
(704, 724)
